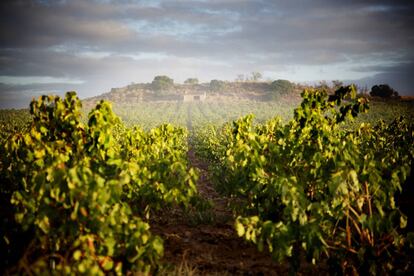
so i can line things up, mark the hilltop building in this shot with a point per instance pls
(194, 97)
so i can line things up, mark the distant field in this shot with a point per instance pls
(193, 114)
(387, 111)
(196, 114)
(237, 175)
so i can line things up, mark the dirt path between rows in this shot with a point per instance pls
(212, 248)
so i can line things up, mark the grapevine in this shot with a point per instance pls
(84, 191)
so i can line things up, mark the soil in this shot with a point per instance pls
(214, 248)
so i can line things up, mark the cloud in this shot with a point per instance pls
(110, 43)
(20, 95)
(399, 76)
(25, 24)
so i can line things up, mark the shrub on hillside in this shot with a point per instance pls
(281, 87)
(217, 85)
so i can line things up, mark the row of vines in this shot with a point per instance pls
(76, 198)
(315, 188)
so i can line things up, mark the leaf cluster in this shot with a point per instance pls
(84, 191)
(312, 185)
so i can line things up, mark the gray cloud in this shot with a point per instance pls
(19, 96)
(400, 77)
(110, 43)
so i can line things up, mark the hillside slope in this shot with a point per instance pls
(144, 92)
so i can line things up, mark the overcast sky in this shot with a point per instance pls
(92, 46)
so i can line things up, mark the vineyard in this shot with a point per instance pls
(198, 114)
(315, 184)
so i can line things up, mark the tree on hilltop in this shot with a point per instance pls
(191, 81)
(162, 83)
(256, 76)
(240, 78)
(383, 91)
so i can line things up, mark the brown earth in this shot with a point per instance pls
(407, 98)
(213, 248)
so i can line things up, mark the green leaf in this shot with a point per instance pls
(77, 255)
(403, 221)
(239, 228)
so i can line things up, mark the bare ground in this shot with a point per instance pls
(214, 247)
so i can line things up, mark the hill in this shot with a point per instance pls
(227, 91)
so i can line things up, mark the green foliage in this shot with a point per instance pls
(200, 114)
(383, 91)
(281, 87)
(210, 142)
(82, 188)
(191, 81)
(162, 83)
(312, 185)
(12, 121)
(217, 85)
(158, 169)
(322, 183)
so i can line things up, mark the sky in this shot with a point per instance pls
(92, 46)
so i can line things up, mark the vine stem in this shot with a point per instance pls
(369, 209)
